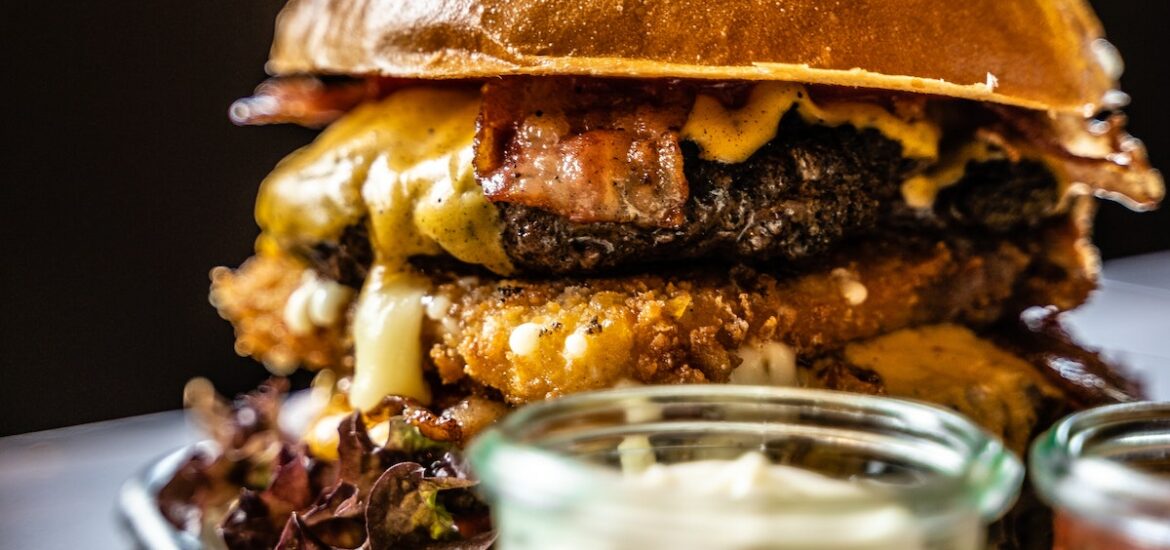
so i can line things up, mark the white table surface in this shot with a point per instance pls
(57, 487)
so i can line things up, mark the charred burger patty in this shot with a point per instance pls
(799, 196)
(802, 194)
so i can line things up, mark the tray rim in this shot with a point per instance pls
(137, 501)
(137, 504)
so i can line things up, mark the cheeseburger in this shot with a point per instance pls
(513, 201)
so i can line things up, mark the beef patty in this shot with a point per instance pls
(800, 195)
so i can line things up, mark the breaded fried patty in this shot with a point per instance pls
(535, 340)
(532, 339)
(254, 298)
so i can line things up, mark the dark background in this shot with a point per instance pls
(123, 183)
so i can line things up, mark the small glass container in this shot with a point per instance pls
(1106, 474)
(572, 473)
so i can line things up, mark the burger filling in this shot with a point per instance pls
(540, 236)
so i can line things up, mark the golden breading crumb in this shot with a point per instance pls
(253, 298)
(538, 339)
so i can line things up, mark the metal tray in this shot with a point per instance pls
(138, 505)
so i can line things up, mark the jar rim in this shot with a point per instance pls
(988, 479)
(1071, 468)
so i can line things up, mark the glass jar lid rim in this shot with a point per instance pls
(989, 478)
(1068, 473)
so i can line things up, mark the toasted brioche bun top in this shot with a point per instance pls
(1040, 54)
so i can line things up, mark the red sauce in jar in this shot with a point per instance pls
(1073, 533)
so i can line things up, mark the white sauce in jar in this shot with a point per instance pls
(877, 525)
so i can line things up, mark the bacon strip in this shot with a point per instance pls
(1099, 154)
(591, 152)
(304, 100)
(1085, 377)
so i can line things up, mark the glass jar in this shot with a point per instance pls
(553, 471)
(1106, 473)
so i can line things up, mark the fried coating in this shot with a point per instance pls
(539, 339)
(534, 339)
(253, 298)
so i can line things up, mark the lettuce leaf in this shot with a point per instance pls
(415, 491)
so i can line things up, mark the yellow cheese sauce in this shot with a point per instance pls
(920, 190)
(387, 332)
(734, 135)
(950, 365)
(404, 161)
(403, 164)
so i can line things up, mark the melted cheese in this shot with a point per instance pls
(406, 162)
(317, 302)
(852, 290)
(920, 190)
(387, 332)
(952, 366)
(767, 364)
(322, 437)
(734, 135)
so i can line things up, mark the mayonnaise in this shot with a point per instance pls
(794, 515)
(317, 302)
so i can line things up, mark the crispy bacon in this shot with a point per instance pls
(304, 100)
(1099, 154)
(588, 151)
(1086, 378)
